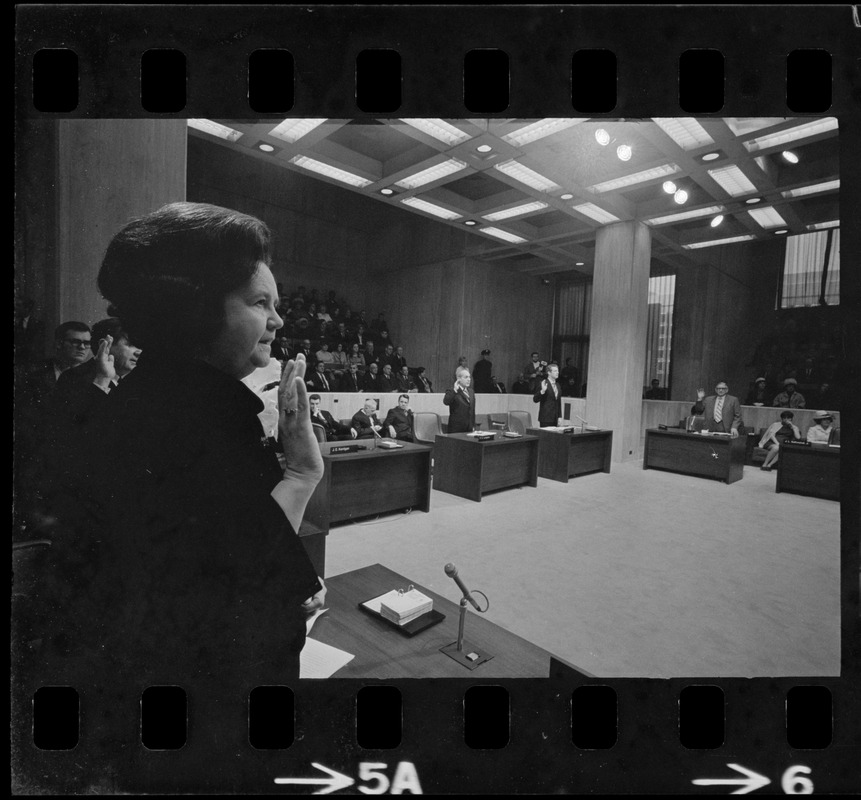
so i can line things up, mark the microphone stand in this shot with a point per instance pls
(465, 654)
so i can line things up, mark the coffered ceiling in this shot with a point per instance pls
(534, 192)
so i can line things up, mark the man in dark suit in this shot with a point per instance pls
(365, 422)
(722, 411)
(404, 381)
(305, 349)
(350, 381)
(371, 379)
(423, 383)
(399, 361)
(319, 382)
(548, 395)
(72, 343)
(387, 381)
(460, 400)
(335, 431)
(482, 374)
(399, 420)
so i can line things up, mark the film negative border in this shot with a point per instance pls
(747, 54)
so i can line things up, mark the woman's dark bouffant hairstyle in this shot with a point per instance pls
(166, 274)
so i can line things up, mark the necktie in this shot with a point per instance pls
(719, 409)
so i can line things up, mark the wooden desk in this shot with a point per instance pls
(370, 482)
(468, 468)
(382, 652)
(566, 455)
(720, 457)
(813, 471)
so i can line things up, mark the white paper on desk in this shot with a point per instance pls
(318, 660)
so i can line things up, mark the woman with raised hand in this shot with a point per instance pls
(194, 573)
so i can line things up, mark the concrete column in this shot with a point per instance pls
(617, 340)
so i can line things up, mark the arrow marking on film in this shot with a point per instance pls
(750, 783)
(335, 781)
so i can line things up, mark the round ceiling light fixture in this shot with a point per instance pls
(602, 137)
(789, 156)
(681, 197)
(669, 187)
(484, 148)
(716, 221)
(752, 201)
(579, 263)
(566, 196)
(781, 232)
(624, 152)
(711, 156)
(387, 191)
(266, 148)
(469, 222)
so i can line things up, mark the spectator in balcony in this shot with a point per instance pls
(423, 383)
(404, 381)
(570, 379)
(533, 370)
(370, 356)
(789, 397)
(482, 374)
(371, 378)
(521, 385)
(655, 392)
(323, 355)
(758, 394)
(387, 381)
(388, 357)
(356, 358)
(399, 420)
(351, 380)
(319, 382)
(399, 359)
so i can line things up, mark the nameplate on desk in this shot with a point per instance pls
(483, 437)
(346, 448)
(798, 442)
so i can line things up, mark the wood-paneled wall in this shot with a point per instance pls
(97, 175)
(440, 312)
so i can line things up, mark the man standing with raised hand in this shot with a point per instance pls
(721, 410)
(461, 402)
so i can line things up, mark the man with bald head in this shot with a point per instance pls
(460, 400)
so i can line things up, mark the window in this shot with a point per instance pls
(811, 270)
(659, 330)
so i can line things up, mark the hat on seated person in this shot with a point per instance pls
(485, 352)
(790, 380)
(759, 379)
(823, 415)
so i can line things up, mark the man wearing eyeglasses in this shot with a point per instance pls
(72, 342)
(722, 411)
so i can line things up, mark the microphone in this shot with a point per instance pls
(451, 571)
(581, 419)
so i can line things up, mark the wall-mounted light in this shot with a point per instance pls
(789, 156)
(716, 221)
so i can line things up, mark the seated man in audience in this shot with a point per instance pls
(72, 343)
(351, 380)
(774, 435)
(423, 383)
(570, 379)
(399, 420)
(388, 357)
(335, 431)
(383, 340)
(365, 421)
(371, 357)
(498, 385)
(721, 410)
(821, 431)
(387, 381)
(399, 359)
(521, 385)
(341, 335)
(655, 392)
(758, 394)
(789, 397)
(371, 379)
(403, 380)
(305, 349)
(533, 370)
(361, 338)
(318, 381)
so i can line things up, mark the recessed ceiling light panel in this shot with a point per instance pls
(540, 129)
(595, 212)
(636, 177)
(439, 129)
(291, 130)
(432, 174)
(686, 132)
(794, 134)
(504, 235)
(694, 213)
(330, 172)
(515, 211)
(430, 208)
(526, 176)
(767, 217)
(215, 129)
(732, 180)
(816, 188)
(715, 242)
